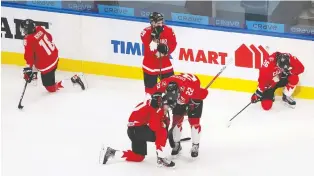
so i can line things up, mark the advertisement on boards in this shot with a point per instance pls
(204, 52)
(304, 30)
(87, 6)
(196, 19)
(267, 27)
(227, 23)
(115, 10)
(10, 28)
(45, 3)
(250, 56)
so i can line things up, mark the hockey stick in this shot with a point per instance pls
(238, 114)
(20, 103)
(170, 133)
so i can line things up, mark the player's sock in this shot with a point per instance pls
(177, 130)
(176, 134)
(195, 133)
(287, 94)
(195, 130)
(130, 156)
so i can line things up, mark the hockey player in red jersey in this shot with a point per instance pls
(279, 70)
(190, 102)
(41, 53)
(147, 123)
(156, 58)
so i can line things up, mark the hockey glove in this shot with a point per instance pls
(156, 100)
(163, 49)
(193, 104)
(29, 75)
(156, 32)
(285, 74)
(256, 96)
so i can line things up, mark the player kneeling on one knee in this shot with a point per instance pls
(279, 70)
(190, 101)
(147, 123)
(42, 53)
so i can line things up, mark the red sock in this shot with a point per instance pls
(55, 87)
(131, 156)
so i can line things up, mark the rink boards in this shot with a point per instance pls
(112, 47)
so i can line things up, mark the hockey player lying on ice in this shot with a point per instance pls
(147, 123)
(279, 70)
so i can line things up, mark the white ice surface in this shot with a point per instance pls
(61, 134)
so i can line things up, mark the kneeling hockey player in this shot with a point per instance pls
(42, 53)
(147, 123)
(279, 70)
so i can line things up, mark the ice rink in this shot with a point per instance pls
(61, 134)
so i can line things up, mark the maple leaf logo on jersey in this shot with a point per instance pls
(163, 83)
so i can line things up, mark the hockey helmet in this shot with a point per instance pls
(27, 27)
(155, 17)
(283, 60)
(171, 94)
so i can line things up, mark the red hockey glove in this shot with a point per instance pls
(156, 101)
(256, 96)
(29, 75)
(193, 104)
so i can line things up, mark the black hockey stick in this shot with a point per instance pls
(185, 139)
(20, 103)
(238, 114)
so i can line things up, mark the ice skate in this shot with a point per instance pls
(176, 149)
(106, 154)
(288, 101)
(77, 80)
(165, 162)
(194, 150)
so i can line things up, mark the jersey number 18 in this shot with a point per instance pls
(47, 45)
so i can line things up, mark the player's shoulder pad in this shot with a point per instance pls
(148, 28)
(39, 28)
(272, 57)
(168, 27)
(292, 56)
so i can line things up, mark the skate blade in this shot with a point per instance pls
(84, 80)
(163, 166)
(288, 105)
(102, 154)
(176, 156)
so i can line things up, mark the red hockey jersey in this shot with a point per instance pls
(269, 73)
(151, 64)
(189, 86)
(40, 50)
(144, 114)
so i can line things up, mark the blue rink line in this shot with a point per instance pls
(145, 20)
